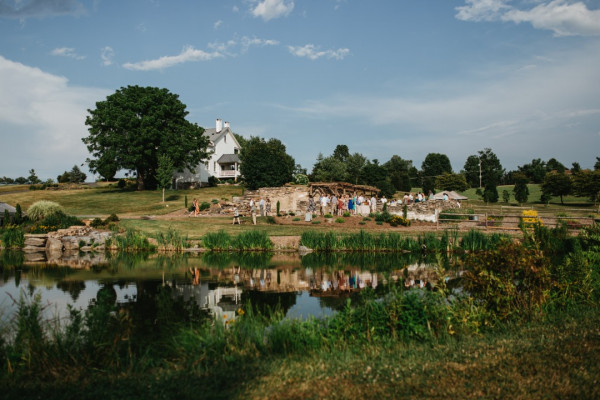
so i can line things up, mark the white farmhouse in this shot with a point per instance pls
(223, 161)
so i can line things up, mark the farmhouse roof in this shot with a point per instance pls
(4, 206)
(228, 159)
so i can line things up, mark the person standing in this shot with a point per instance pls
(253, 213)
(373, 204)
(268, 207)
(196, 207)
(236, 216)
(261, 205)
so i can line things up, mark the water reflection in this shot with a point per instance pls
(218, 283)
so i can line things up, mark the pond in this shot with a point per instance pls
(220, 284)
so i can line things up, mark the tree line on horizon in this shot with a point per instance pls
(144, 130)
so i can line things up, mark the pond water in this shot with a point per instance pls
(314, 285)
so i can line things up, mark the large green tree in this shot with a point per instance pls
(448, 181)
(265, 163)
(557, 184)
(434, 165)
(134, 125)
(399, 170)
(586, 183)
(491, 169)
(521, 191)
(329, 169)
(535, 170)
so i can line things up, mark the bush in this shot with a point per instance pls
(271, 220)
(205, 206)
(12, 236)
(213, 181)
(96, 223)
(340, 220)
(328, 216)
(111, 218)
(397, 220)
(56, 221)
(301, 179)
(43, 209)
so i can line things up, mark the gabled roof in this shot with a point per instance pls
(215, 136)
(4, 206)
(228, 159)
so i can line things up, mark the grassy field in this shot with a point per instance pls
(101, 200)
(555, 359)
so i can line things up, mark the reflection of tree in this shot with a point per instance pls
(11, 258)
(74, 288)
(245, 259)
(363, 261)
(266, 302)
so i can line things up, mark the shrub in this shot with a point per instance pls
(340, 220)
(213, 181)
(96, 223)
(171, 240)
(56, 221)
(328, 216)
(43, 209)
(111, 218)
(12, 236)
(271, 220)
(293, 219)
(316, 222)
(397, 220)
(205, 206)
(346, 214)
(301, 179)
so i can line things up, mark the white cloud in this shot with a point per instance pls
(564, 18)
(234, 47)
(549, 111)
(107, 54)
(270, 9)
(188, 54)
(311, 52)
(218, 24)
(43, 117)
(66, 52)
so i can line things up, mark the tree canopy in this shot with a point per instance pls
(491, 169)
(434, 165)
(557, 184)
(133, 126)
(265, 163)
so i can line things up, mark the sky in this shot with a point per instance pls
(384, 77)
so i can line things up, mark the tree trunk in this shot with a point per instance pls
(140, 181)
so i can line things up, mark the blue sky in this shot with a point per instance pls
(405, 77)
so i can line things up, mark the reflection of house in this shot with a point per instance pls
(219, 301)
(223, 161)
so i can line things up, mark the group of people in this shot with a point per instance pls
(420, 197)
(331, 204)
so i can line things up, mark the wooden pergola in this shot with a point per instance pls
(341, 188)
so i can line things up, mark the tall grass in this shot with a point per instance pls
(171, 240)
(245, 241)
(131, 240)
(12, 237)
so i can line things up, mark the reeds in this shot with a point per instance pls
(132, 240)
(245, 241)
(171, 240)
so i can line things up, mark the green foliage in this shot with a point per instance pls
(435, 164)
(511, 280)
(277, 208)
(475, 240)
(73, 176)
(557, 184)
(185, 201)
(55, 221)
(340, 220)
(132, 240)
(164, 173)
(96, 223)
(490, 192)
(18, 219)
(204, 206)
(271, 220)
(397, 220)
(42, 209)
(171, 239)
(213, 181)
(12, 237)
(505, 196)
(521, 190)
(448, 181)
(133, 126)
(265, 163)
(247, 240)
(301, 179)
(456, 214)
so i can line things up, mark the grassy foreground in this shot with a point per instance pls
(556, 359)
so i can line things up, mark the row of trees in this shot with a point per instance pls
(73, 176)
(144, 130)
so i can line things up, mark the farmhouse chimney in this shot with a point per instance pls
(226, 125)
(219, 125)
